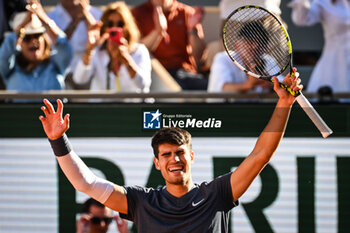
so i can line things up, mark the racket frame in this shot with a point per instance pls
(269, 78)
(301, 99)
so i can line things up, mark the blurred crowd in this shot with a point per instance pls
(79, 46)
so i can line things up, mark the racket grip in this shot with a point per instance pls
(316, 119)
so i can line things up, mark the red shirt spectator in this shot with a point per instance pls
(177, 53)
(174, 35)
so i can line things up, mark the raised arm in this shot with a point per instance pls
(196, 35)
(268, 141)
(52, 29)
(85, 68)
(89, 18)
(74, 168)
(305, 12)
(153, 39)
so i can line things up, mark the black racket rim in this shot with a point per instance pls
(269, 77)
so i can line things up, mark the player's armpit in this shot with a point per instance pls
(117, 200)
(245, 174)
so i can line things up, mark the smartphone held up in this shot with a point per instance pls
(115, 34)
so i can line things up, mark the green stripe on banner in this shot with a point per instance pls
(202, 120)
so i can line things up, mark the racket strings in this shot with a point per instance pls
(257, 41)
(247, 57)
(249, 32)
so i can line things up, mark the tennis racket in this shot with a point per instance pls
(258, 43)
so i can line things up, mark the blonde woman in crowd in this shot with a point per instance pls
(113, 58)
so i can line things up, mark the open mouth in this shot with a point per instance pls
(176, 169)
(33, 48)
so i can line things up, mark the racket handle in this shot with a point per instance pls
(287, 88)
(316, 119)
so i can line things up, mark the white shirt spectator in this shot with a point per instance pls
(97, 71)
(223, 71)
(79, 38)
(333, 67)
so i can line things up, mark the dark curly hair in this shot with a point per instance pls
(254, 31)
(90, 202)
(171, 135)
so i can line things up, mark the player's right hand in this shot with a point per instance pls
(53, 124)
(293, 82)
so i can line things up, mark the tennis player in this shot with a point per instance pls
(180, 206)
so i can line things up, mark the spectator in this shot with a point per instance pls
(333, 67)
(123, 64)
(226, 8)
(225, 76)
(173, 33)
(74, 17)
(96, 218)
(27, 62)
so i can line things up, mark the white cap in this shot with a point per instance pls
(33, 27)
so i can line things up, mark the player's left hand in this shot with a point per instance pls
(293, 82)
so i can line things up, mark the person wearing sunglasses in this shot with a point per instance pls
(96, 218)
(36, 57)
(113, 58)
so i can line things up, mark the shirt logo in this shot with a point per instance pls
(197, 203)
(151, 120)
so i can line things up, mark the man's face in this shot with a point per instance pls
(98, 223)
(247, 50)
(175, 163)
